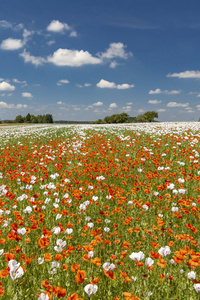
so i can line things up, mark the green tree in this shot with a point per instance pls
(48, 118)
(150, 115)
(33, 119)
(19, 119)
(27, 118)
(141, 119)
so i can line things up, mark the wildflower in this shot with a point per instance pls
(21, 231)
(40, 260)
(134, 278)
(90, 254)
(197, 287)
(191, 275)
(171, 186)
(56, 230)
(43, 297)
(69, 230)
(90, 289)
(182, 191)
(149, 261)
(137, 256)
(80, 276)
(106, 229)
(164, 251)
(16, 271)
(108, 267)
(174, 209)
(145, 207)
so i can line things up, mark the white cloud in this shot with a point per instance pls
(59, 27)
(1, 79)
(103, 84)
(98, 103)
(186, 74)
(161, 110)
(5, 24)
(113, 64)
(11, 44)
(141, 110)
(73, 33)
(72, 58)
(175, 104)
(51, 42)
(35, 60)
(5, 86)
(198, 107)
(127, 108)
(27, 95)
(129, 103)
(159, 91)
(113, 105)
(87, 84)
(115, 50)
(6, 105)
(154, 101)
(60, 103)
(18, 81)
(60, 82)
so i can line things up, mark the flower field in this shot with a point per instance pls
(100, 212)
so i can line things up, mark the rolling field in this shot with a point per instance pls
(100, 212)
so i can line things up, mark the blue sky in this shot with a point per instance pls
(84, 60)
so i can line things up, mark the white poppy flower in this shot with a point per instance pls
(191, 275)
(164, 251)
(137, 256)
(90, 289)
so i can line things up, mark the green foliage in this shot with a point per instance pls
(19, 119)
(34, 119)
(146, 117)
(150, 115)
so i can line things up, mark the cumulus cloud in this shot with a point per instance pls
(35, 60)
(98, 103)
(18, 81)
(113, 64)
(5, 86)
(11, 44)
(6, 105)
(8, 25)
(60, 103)
(5, 24)
(154, 101)
(51, 42)
(60, 82)
(159, 91)
(59, 27)
(72, 58)
(186, 74)
(27, 95)
(113, 105)
(103, 84)
(115, 50)
(127, 108)
(176, 104)
(161, 110)
(87, 84)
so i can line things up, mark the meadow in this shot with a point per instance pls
(100, 212)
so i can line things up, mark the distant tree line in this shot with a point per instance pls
(125, 118)
(34, 119)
